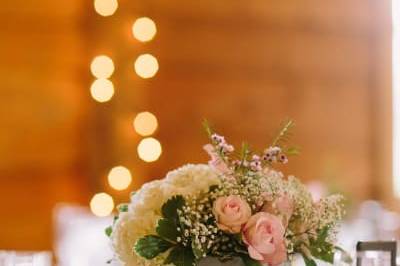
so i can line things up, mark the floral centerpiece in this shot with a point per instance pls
(236, 207)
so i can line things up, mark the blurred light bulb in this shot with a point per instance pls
(146, 66)
(102, 66)
(145, 123)
(144, 29)
(102, 90)
(119, 178)
(149, 149)
(105, 7)
(102, 204)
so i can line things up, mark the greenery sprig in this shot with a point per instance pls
(168, 233)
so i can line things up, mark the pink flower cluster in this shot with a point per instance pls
(216, 161)
(219, 151)
(222, 144)
(275, 154)
(263, 233)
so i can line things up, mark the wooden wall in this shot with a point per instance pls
(244, 65)
(44, 105)
(247, 66)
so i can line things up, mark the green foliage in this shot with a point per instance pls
(196, 251)
(309, 261)
(345, 256)
(284, 133)
(292, 151)
(213, 188)
(108, 231)
(249, 261)
(167, 229)
(170, 209)
(150, 247)
(238, 238)
(244, 151)
(180, 256)
(320, 248)
(123, 207)
(323, 253)
(322, 235)
(207, 128)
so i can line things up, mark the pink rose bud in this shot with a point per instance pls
(282, 206)
(216, 162)
(231, 213)
(264, 236)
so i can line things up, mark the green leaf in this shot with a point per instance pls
(123, 207)
(323, 251)
(207, 128)
(196, 251)
(150, 247)
(180, 256)
(170, 208)
(249, 261)
(320, 248)
(309, 261)
(238, 238)
(213, 188)
(345, 255)
(292, 151)
(167, 229)
(327, 256)
(322, 235)
(108, 231)
(245, 151)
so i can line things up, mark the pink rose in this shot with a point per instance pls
(282, 206)
(231, 213)
(264, 236)
(216, 162)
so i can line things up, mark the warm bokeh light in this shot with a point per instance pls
(144, 29)
(102, 66)
(105, 7)
(102, 90)
(102, 204)
(146, 66)
(149, 149)
(119, 178)
(145, 123)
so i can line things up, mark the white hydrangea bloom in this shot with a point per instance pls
(145, 208)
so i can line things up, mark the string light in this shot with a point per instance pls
(102, 90)
(149, 149)
(102, 66)
(102, 204)
(119, 178)
(105, 7)
(146, 66)
(145, 123)
(144, 29)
